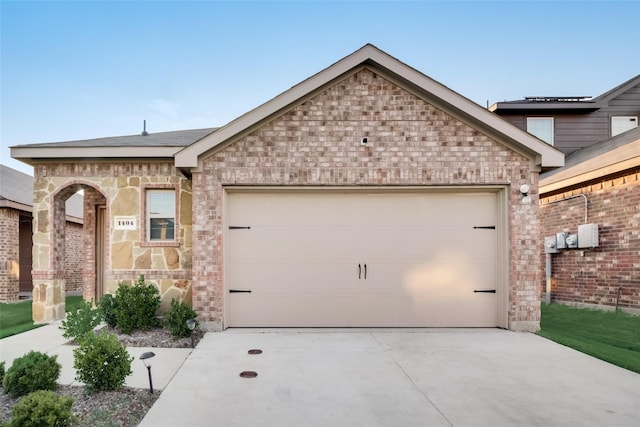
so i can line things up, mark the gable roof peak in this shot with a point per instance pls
(622, 87)
(545, 155)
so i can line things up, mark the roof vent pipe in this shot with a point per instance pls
(144, 128)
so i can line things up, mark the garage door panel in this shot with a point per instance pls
(264, 243)
(300, 258)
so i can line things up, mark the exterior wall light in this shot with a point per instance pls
(147, 359)
(524, 190)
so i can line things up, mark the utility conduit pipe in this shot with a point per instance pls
(548, 291)
(573, 197)
(548, 256)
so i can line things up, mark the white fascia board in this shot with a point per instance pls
(545, 155)
(614, 161)
(27, 154)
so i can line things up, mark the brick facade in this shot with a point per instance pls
(412, 143)
(74, 256)
(9, 250)
(608, 275)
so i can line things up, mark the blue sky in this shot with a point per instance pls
(87, 69)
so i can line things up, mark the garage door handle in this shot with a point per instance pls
(485, 291)
(365, 271)
(239, 291)
(359, 271)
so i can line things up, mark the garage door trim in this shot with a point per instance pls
(501, 191)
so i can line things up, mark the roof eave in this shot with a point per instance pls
(524, 107)
(30, 155)
(607, 163)
(544, 155)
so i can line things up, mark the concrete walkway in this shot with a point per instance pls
(416, 377)
(48, 339)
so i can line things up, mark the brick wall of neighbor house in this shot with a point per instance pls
(411, 143)
(128, 255)
(9, 265)
(74, 253)
(610, 273)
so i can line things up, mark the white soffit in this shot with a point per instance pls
(546, 155)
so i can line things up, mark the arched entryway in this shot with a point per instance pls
(50, 283)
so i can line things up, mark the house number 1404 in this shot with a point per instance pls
(125, 223)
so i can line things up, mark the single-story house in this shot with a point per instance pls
(366, 195)
(16, 206)
(598, 185)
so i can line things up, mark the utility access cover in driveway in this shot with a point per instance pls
(418, 377)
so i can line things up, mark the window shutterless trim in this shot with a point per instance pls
(145, 241)
(546, 118)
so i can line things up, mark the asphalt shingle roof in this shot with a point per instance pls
(17, 187)
(180, 138)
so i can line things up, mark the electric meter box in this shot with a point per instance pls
(550, 246)
(561, 240)
(572, 241)
(588, 236)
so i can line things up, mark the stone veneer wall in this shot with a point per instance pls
(412, 143)
(609, 275)
(9, 254)
(128, 255)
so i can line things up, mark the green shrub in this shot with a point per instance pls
(137, 306)
(108, 306)
(43, 408)
(31, 372)
(81, 321)
(177, 318)
(101, 362)
(1, 371)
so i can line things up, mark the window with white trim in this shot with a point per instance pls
(542, 127)
(620, 124)
(161, 215)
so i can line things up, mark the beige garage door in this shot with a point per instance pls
(323, 258)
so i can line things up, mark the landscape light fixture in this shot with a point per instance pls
(191, 324)
(147, 360)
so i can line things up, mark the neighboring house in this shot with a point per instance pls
(366, 195)
(16, 207)
(598, 185)
(570, 123)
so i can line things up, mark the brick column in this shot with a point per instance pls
(9, 255)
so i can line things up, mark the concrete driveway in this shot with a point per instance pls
(416, 377)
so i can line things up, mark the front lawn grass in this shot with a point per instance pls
(16, 317)
(611, 336)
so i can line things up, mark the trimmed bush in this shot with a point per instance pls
(1, 371)
(137, 306)
(177, 317)
(43, 408)
(80, 322)
(108, 305)
(101, 362)
(31, 372)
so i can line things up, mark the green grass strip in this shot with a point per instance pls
(16, 317)
(609, 336)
